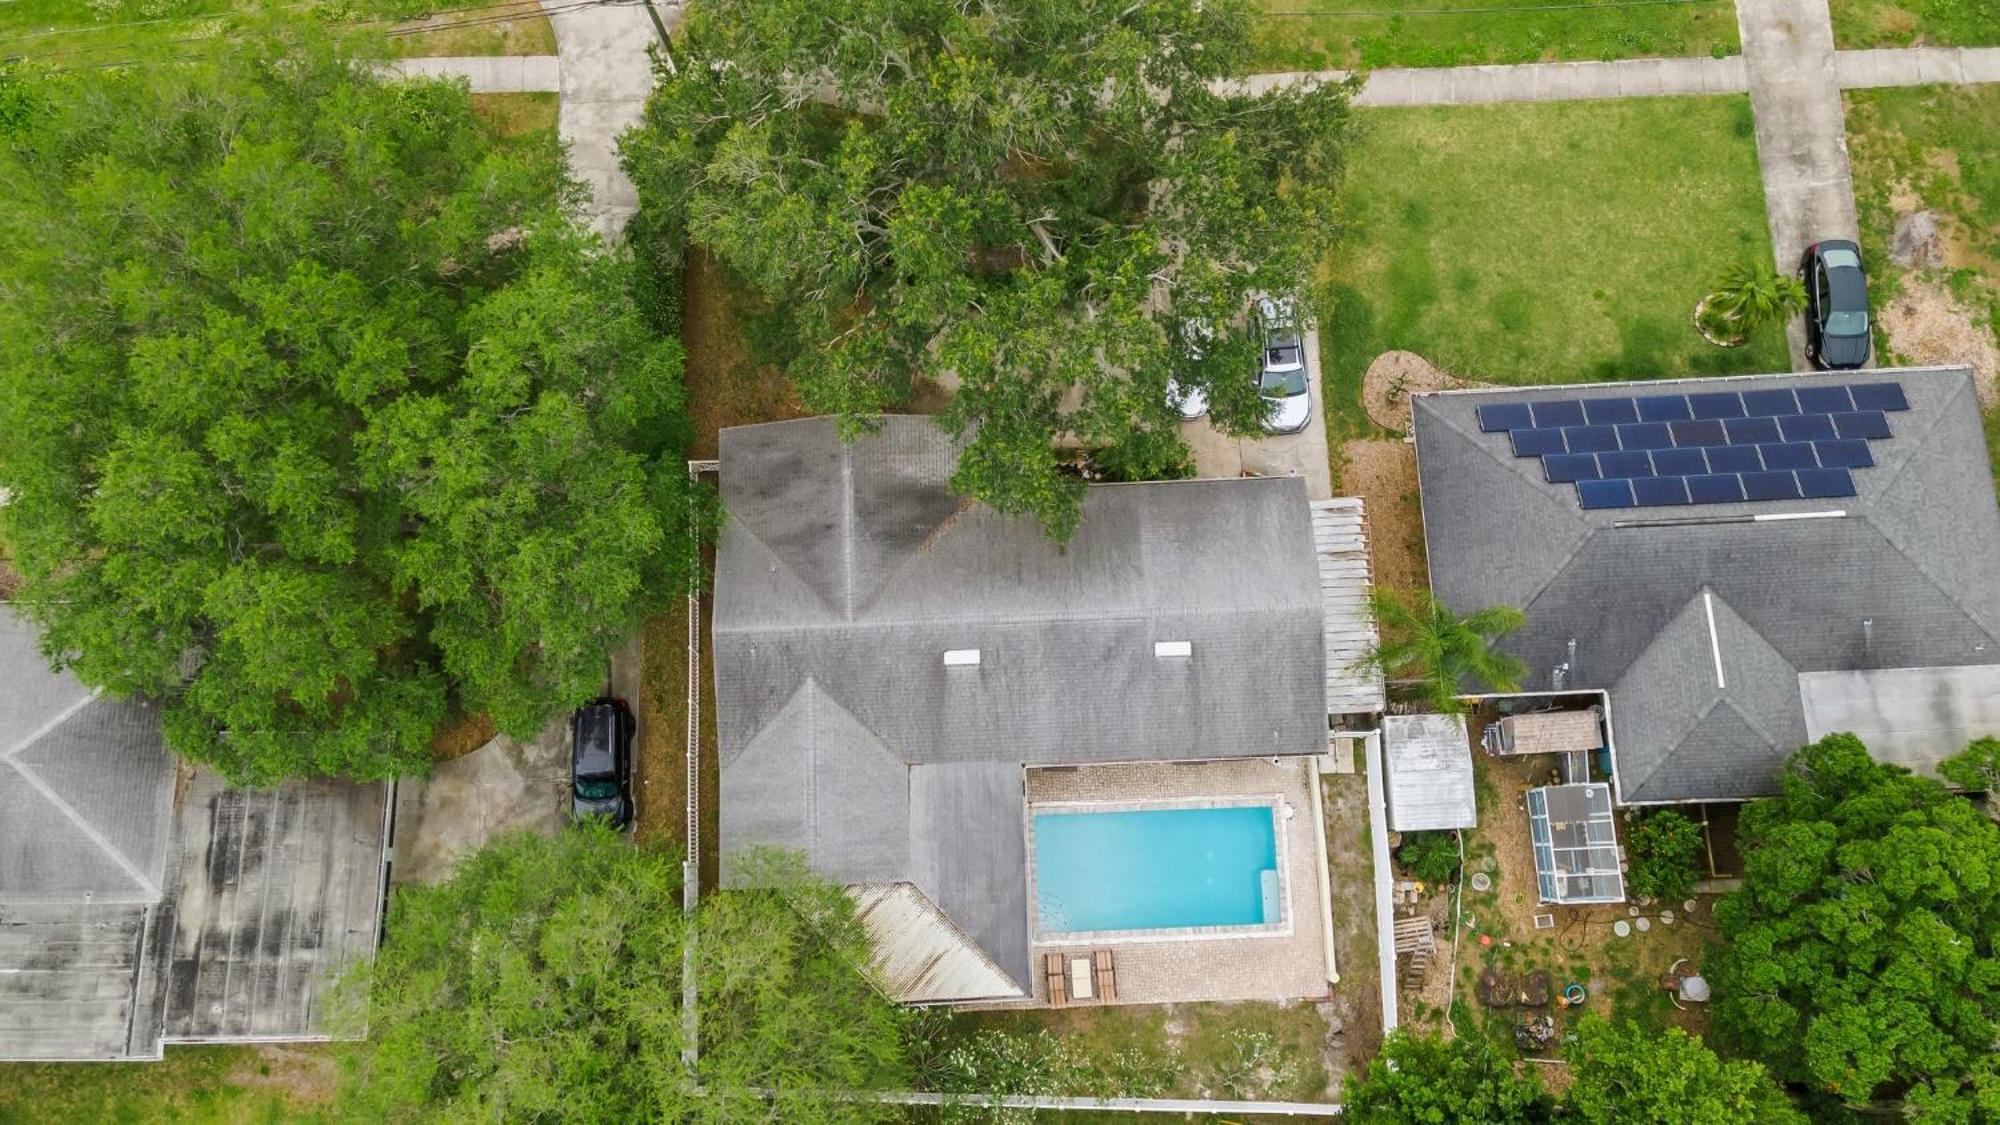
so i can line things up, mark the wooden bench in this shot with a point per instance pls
(1058, 984)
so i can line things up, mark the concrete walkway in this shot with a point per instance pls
(1801, 131)
(606, 74)
(1916, 66)
(489, 74)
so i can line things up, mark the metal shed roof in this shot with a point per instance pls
(1576, 843)
(1340, 543)
(1429, 762)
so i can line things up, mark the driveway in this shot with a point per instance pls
(1274, 455)
(504, 786)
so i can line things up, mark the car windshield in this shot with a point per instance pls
(1846, 323)
(597, 789)
(1838, 259)
(1283, 384)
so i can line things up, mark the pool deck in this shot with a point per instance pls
(1287, 965)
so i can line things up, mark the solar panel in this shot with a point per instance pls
(1823, 483)
(1879, 396)
(1645, 435)
(1789, 455)
(1679, 462)
(1770, 403)
(1806, 427)
(1717, 488)
(1750, 431)
(1653, 492)
(1663, 408)
(1861, 424)
(1735, 459)
(1537, 443)
(1825, 400)
(1591, 439)
(1604, 493)
(1504, 416)
(1564, 412)
(1609, 411)
(1770, 486)
(1727, 404)
(1628, 463)
(1844, 454)
(1564, 468)
(1706, 432)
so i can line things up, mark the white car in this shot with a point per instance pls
(1191, 402)
(1281, 377)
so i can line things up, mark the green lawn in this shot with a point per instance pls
(1544, 243)
(190, 1086)
(1906, 23)
(517, 115)
(1314, 34)
(73, 32)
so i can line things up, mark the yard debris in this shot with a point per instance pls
(1917, 243)
(1535, 1033)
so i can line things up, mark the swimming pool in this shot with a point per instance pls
(1156, 869)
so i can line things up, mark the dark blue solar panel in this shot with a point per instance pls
(1654, 492)
(1707, 432)
(1861, 424)
(1604, 493)
(1505, 416)
(1806, 427)
(1663, 408)
(1770, 403)
(1819, 483)
(1726, 404)
(1646, 435)
(1630, 463)
(1735, 459)
(1679, 462)
(1720, 488)
(1770, 486)
(1591, 439)
(1844, 454)
(1609, 411)
(1879, 396)
(1561, 413)
(1793, 455)
(1536, 443)
(1563, 468)
(1751, 431)
(1825, 400)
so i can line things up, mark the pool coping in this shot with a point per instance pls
(1275, 802)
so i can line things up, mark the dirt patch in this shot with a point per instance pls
(1928, 325)
(1393, 377)
(461, 735)
(308, 1074)
(1384, 475)
(1353, 1013)
(725, 385)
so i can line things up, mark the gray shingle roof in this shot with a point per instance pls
(1916, 555)
(845, 572)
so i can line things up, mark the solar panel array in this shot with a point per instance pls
(1714, 447)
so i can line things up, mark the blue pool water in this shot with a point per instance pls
(1155, 869)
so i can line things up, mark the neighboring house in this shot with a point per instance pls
(1743, 565)
(890, 659)
(145, 902)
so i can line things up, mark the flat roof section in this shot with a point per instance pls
(1429, 762)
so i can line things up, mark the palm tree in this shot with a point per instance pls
(1747, 297)
(1424, 641)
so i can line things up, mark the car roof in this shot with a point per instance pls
(1847, 289)
(596, 738)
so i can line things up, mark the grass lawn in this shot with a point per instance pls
(190, 1086)
(1542, 243)
(1314, 34)
(517, 115)
(71, 32)
(1907, 23)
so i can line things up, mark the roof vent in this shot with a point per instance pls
(1166, 649)
(961, 658)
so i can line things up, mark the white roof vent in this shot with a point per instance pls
(961, 657)
(1166, 649)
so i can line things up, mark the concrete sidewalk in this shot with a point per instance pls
(495, 74)
(1917, 66)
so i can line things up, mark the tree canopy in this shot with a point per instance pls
(543, 982)
(1860, 956)
(1052, 206)
(1421, 1079)
(1626, 1074)
(321, 418)
(1666, 852)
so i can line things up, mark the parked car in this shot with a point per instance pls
(1836, 304)
(1190, 402)
(600, 762)
(1282, 379)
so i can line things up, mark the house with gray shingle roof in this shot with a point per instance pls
(890, 659)
(143, 901)
(1863, 594)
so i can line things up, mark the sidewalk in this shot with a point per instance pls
(489, 74)
(607, 71)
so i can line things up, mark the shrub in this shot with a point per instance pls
(1665, 851)
(1429, 856)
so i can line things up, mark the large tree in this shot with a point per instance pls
(542, 982)
(1421, 1079)
(1862, 954)
(1626, 1074)
(1053, 206)
(318, 417)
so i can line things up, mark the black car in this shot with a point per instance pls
(600, 761)
(1836, 304)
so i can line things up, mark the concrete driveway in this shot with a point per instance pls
(504, 786)
(1273, 455)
